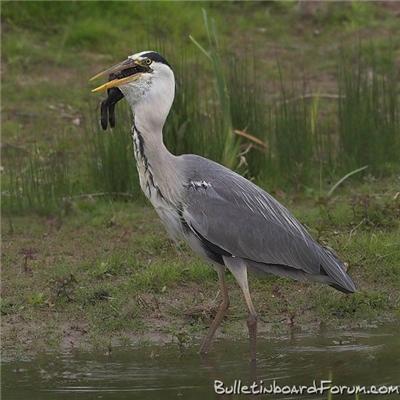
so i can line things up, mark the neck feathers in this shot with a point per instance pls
(159, 178)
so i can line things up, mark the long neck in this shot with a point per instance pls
(158, 165)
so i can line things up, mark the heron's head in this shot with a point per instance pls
(146, 81)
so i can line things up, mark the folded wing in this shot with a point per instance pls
(237, 217)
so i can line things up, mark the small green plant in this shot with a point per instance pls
(37, 299)
(63, 288)
(360, 303)
(7, 307)
(374, 212)
(98, 295)
(116, 264)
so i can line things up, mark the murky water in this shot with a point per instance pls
(364, 357)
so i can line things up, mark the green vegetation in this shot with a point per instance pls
(369, 113)
(224, 108)
(108, 272)
(293, 96)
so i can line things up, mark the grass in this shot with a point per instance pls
(78, 241)
(291, 131)
(109, 161)
(36, 182)
(369, 116)
(294, 146)
(109, 270)
(307, 141)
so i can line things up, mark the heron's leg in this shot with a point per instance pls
(205, 346)
(239, 271)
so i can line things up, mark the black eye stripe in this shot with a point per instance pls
(154, 56)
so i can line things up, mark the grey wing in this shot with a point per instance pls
(228, 212)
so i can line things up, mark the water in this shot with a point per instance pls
(164, 372)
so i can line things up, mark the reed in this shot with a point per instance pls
(369, 109)
(294, 145)
(252, 115)
(222, 111)
(36, 182)
(109, 157)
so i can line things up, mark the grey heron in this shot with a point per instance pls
(224, 217)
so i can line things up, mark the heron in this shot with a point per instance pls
(228, 220)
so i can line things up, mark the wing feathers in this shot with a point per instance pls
(239, 218)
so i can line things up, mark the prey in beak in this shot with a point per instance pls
(107, 107)
(122, 73)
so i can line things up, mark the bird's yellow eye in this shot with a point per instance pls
(147, 61)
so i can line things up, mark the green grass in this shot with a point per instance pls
(309, 141)
(80, 250)
(297, 151)
(294, 146)
(110, 158)
(109, 268)
(36, 182)
(369, 113)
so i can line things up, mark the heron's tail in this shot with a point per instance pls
(336, 270)
(331, 271)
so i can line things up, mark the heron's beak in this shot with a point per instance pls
(124, 72)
